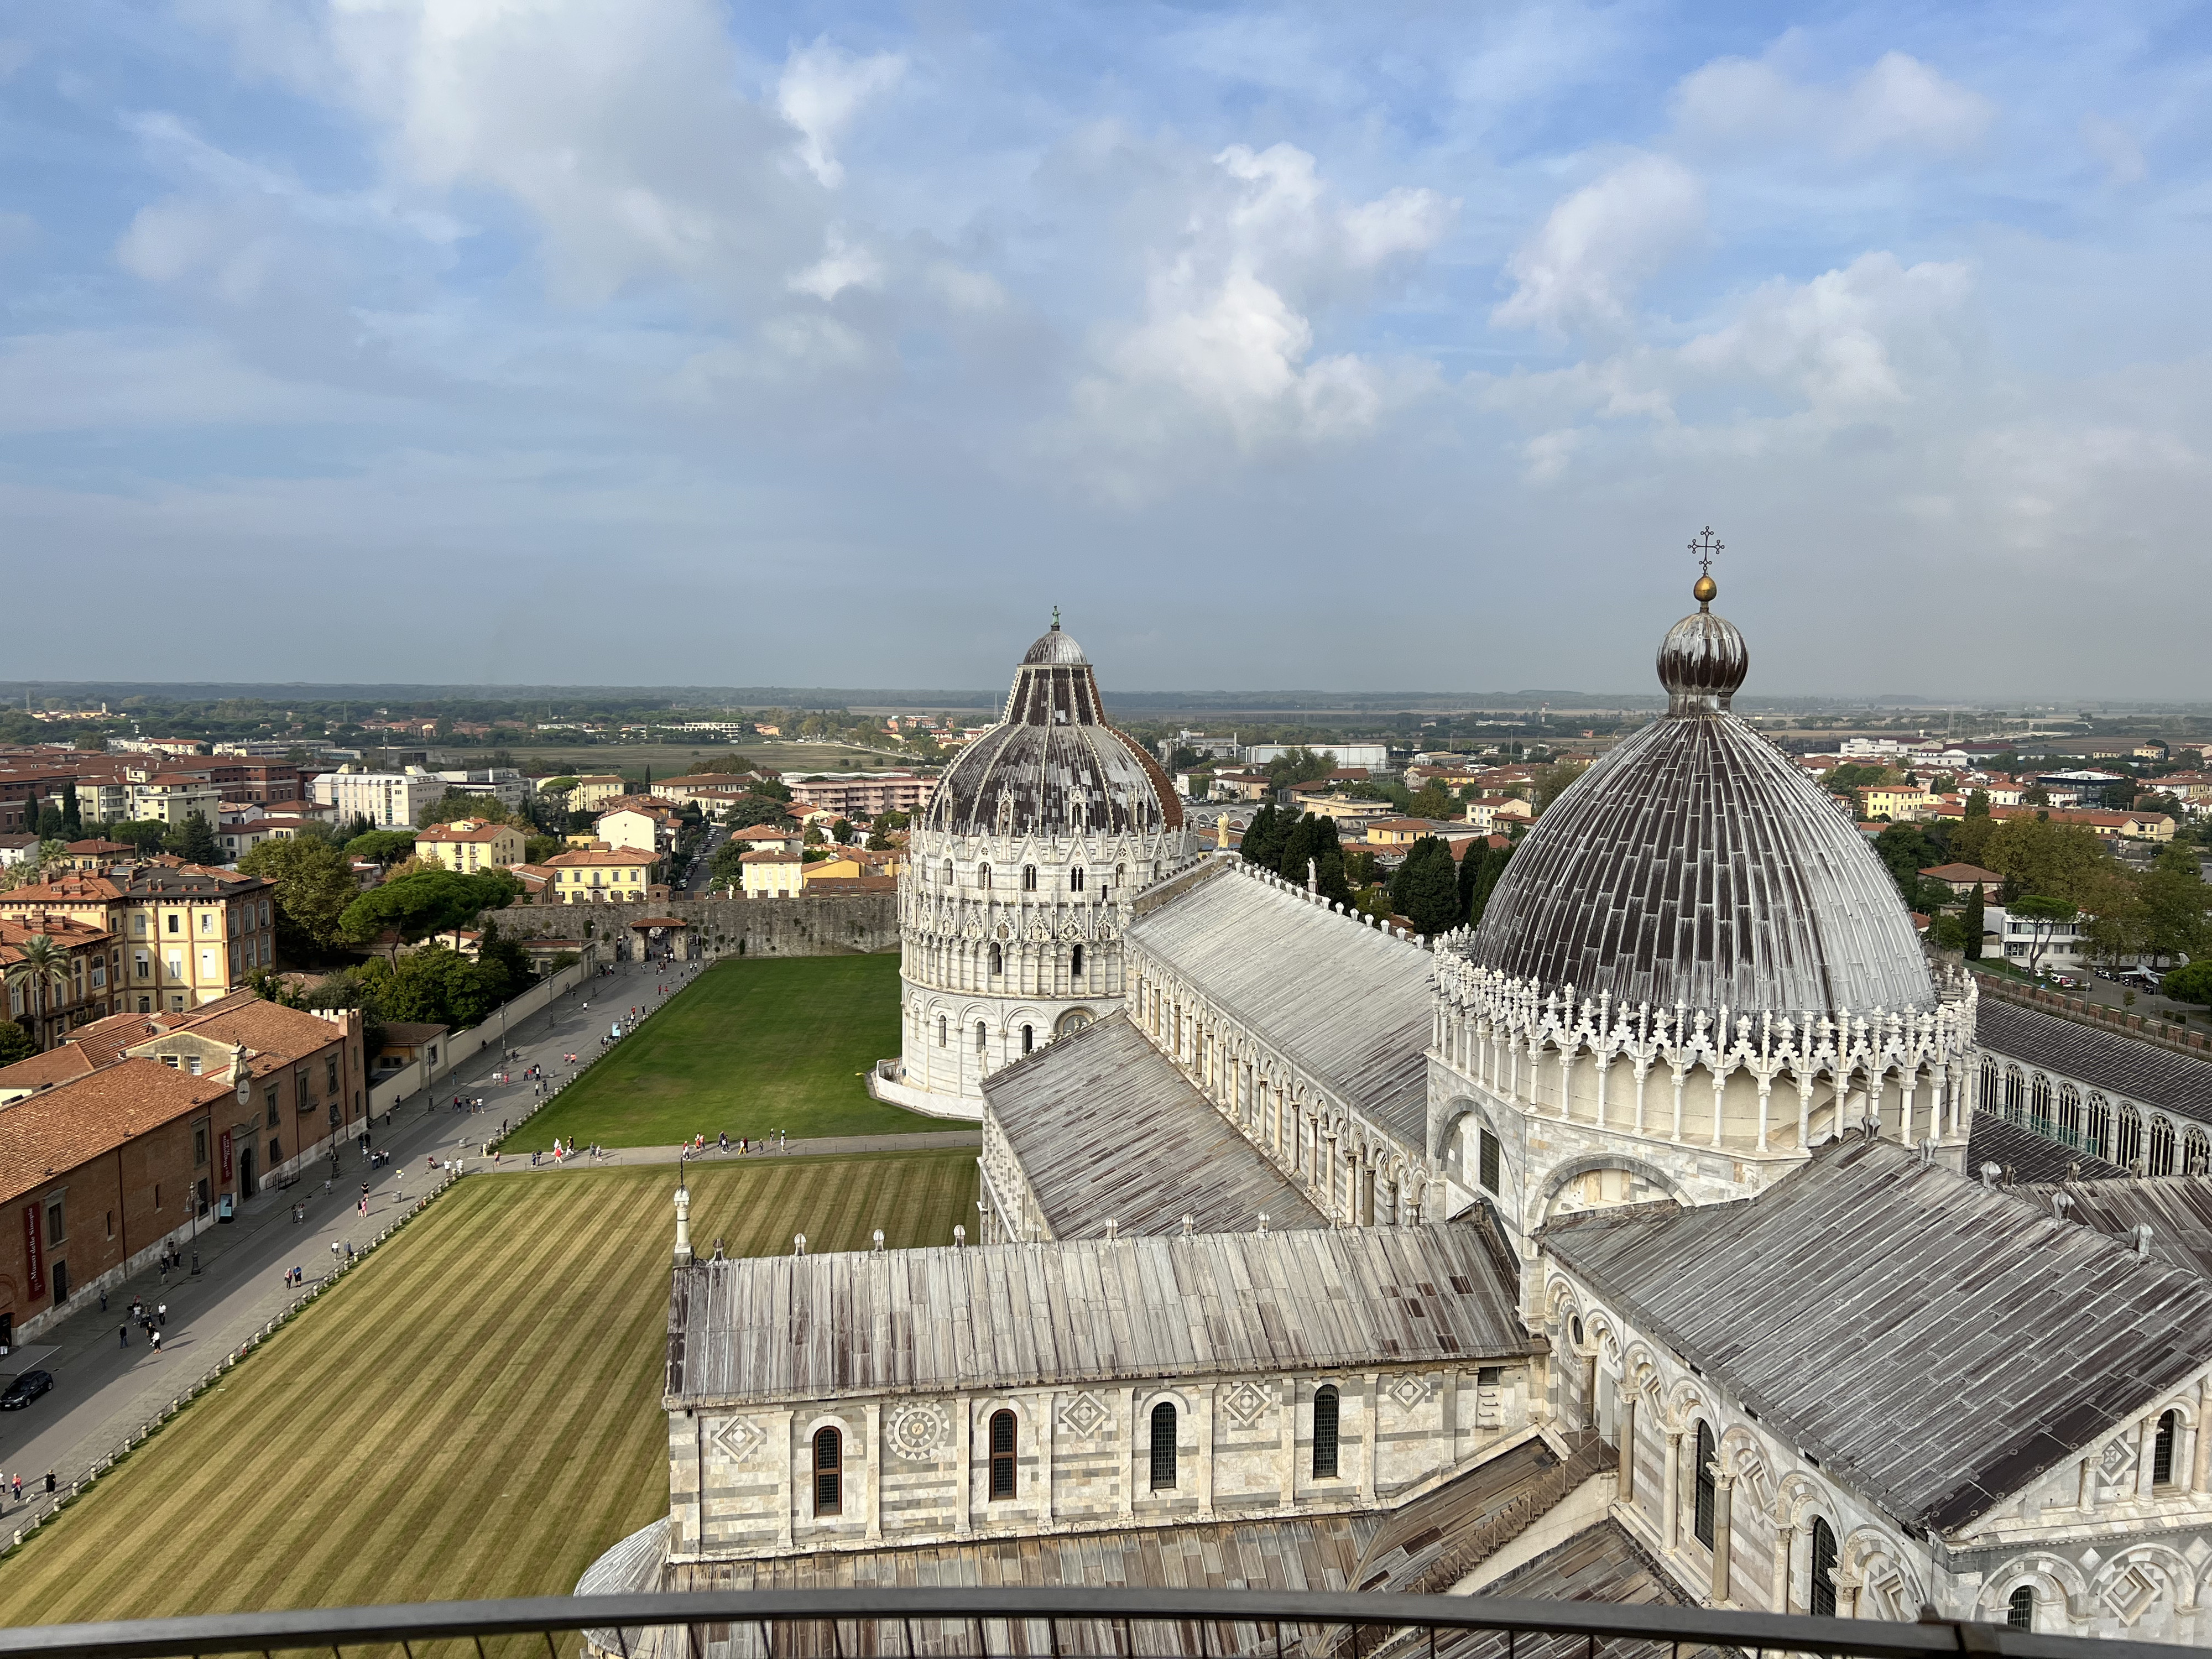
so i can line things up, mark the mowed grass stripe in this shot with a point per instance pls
(752, 1046)
(474, 1411)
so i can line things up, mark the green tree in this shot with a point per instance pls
(2055, 861)
(194, 841)
(2190, 984)
(1299, 765)
(1972, 924)
(1907, 850)
(1425, 889)
(1313, 842)
(42, 967)
(1433, 801)
(387, 847)
(456, 804)
(14, 1043)
(1478, 873)
(424, 902)
(747, 810)
(49, 826)
(1553, 782)
(72, 819)
(1264, 837)
(314, 883)
(536, 850)
(2175, 901)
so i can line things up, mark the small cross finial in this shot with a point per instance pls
(1055, 619)
(1705, 547)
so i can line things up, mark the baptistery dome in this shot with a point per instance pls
(1695, 865)
(1053, 765)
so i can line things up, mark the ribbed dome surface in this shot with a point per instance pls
(1695, 865)
(1053, 765)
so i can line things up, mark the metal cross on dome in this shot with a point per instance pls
(1705, 547)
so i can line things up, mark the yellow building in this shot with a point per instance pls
(594, 792)
(771, 874)
(1898, 802)
(468, 845)
(639, 828)
(603, 875)
(189, 933)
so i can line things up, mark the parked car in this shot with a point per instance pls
(24, 1390)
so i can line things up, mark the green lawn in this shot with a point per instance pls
(474, 1411)
(752, 1045)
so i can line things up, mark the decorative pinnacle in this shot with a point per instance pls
(1705, 547)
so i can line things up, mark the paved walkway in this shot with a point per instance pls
(822, 1146)
(103, 1389)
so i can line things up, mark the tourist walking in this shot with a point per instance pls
(123, 1334)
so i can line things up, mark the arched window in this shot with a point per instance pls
(1002, 1454)
(983, 1036)
(997, 959)
(2069, 1115)
(2161, 1145)
(943, 1029)
(829, 1472)
(2196, 1153)
(1075, 962)
(1029, 1038)
(1325, 1440)
(1575, 1329)
(1075, 879)
(2014, 1088)
(1164, 1447)
(2130, 1140)
(1120, 869)
(1989, 1101)
(2038, 1104)
(983, 877)
(2161, 1450)
(2097, 1136)
(948, 872)
(1028, 879)
(2019, 1609)
(1702, 1520)
(1490, 1152)
(1821, 1584)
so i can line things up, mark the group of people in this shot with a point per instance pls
(17, 1485)
(147, 1319)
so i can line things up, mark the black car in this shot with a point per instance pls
(25, 1388)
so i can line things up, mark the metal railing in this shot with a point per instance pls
(1063, 1623)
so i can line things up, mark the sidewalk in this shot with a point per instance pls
(823, 1146)
(103, 1391)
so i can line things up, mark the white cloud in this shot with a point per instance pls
(1600, 245)
(2116, 147)
(843, 264)
(1898, 104)
(820, 92)
(1226, 346)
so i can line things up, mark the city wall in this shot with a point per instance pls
(721, 927)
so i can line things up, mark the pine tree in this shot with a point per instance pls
(194, 841)
(1425, 890)
(1972, 921)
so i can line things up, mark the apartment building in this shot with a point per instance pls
(642, 826)
(504, 784)
(187, 934)
(389, 800)
(49, 1007)
(859, 795)
(595, 790)
(171, 798)
(469, 845)
(603, 875)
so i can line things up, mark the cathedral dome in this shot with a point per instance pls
(1695, 865)
(1053, 765)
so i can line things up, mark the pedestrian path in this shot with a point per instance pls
(820, 1146)
(231, 1280)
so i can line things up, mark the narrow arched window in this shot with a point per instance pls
(997, 959)
(948, 872)
(1120, 869)
(1822, 1582)
(1989, 1101)
(1575, 1329)
(2020, 1608)
(1075, 879)
(1002, 1454)
(2161, 1146)
(2038, 1104)
(829, 1472)
(2161, 1450)
(1164, 1447)
(2013, 1084)
(983, 1036)
(1029, 1038)
(2069, 1115)
(1702, 1520)
(2130, 1137)
(942, 1030)
(1075, 962)
(1028, 879)
(2097, 1137)
(1489, 1155)
(983, 877)
(1324, 1436)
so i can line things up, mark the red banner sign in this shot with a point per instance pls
(226, 1157)
(34, 1255)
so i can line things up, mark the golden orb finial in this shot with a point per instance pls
(1705, 589)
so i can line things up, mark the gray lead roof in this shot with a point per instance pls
(1351, 1006)
(1934, 1343)
(1006, 1315)
(1695, 865)
(1106, 1127)
(2103, 1059)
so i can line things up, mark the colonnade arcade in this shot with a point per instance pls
(2138, 1137)
(1716, 1078)
(1355, 1170)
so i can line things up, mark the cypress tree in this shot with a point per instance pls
(1328, 858)
(1263, 838)
(1972, 921)
(1299, 846)
(1425, 890)
(1493, 866)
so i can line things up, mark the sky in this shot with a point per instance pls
(1348, 347)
